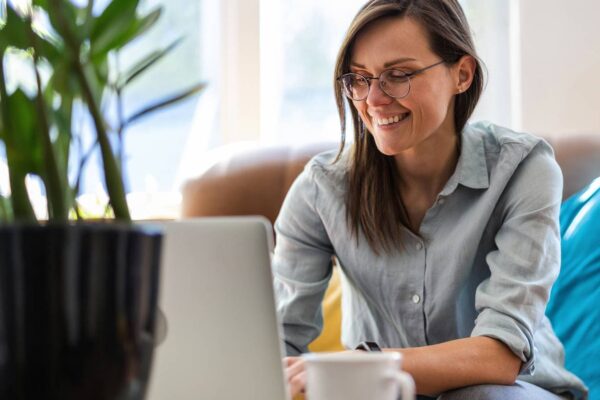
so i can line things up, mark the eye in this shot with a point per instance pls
(395, 75)
(355, 80)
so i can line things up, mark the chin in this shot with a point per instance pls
(387, 148)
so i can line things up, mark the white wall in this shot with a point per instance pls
(560, 66)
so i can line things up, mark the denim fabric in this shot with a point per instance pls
(519, 391)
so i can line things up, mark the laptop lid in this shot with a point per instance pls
(222, 338)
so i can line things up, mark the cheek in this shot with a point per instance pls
(430, 109)
(435, 100)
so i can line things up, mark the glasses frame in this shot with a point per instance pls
(407, 75)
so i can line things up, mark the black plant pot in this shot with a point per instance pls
(78, 305)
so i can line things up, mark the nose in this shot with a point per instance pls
(377, 96)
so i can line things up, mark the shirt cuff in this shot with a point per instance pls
(513, 334)
(291, 350)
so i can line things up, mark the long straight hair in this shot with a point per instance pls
(373, 201)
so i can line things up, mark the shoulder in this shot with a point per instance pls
(523, 161)
(326, 171)
(502, 140)
(321, 183)
(508, 150)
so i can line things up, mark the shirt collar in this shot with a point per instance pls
(471, 170)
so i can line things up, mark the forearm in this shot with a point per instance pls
(458, 363)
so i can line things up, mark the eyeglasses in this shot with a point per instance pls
(393, 82)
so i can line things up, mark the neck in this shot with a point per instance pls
(427, 167)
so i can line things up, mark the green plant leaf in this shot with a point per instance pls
(1, 119)
(101, 68)
(95, 82)
(51, 48)
(146, 63)
(62, 144)
(63, 17)
(88, 19)
(137, 26)
(41, 3)
(116, 19)
(169, 101)
(6, 213)
(23, 144)
(60, 118)
(143, 24)
(15, 31)
(63, 80)
(24, 152)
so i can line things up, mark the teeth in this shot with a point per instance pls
(387, 121)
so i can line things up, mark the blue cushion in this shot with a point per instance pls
(574, 306)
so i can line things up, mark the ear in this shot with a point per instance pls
(465, 71)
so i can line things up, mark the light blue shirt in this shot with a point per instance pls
(483, 263)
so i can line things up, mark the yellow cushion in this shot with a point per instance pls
(330, 337)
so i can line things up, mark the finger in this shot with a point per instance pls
(289, 361)
(297, 383)
(294, 368)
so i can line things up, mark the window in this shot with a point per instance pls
(299, 43)
(269, 68)
(154, 146)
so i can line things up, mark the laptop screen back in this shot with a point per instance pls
(223, 337)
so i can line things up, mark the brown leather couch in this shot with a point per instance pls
(256, 182)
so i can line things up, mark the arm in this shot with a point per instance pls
(441, 367)
(458, 363)
(301, 264)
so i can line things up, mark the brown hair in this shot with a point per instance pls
(372, 200)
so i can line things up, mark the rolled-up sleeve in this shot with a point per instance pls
(526, 261)
(301, 263)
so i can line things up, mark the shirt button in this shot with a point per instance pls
(441, 201)
(416, 298)
(419, 246)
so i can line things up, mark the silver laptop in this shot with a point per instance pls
(222, 339)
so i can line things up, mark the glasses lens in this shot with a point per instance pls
(395, 83)
(355, 86)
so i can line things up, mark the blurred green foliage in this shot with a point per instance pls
(73, 59)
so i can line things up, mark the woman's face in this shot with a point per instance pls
(427, 111)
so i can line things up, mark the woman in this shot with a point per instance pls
(447, 233)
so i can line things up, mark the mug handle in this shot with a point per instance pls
(406, 383)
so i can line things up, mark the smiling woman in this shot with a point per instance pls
(424, 137)
(446, 232)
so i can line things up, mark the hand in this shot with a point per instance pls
(295, 373)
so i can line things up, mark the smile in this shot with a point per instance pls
(391, 120)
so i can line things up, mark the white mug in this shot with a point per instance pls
(356, 376)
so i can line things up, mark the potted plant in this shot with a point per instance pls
(78, 300)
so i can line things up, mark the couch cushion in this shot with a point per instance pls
(574, 306)
(579, 158)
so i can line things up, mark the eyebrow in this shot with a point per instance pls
(387, 64)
